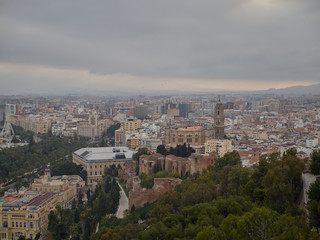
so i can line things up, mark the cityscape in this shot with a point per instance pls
(160, 120)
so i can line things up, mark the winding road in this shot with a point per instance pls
(123, 203)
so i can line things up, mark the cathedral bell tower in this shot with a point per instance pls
(218, 121)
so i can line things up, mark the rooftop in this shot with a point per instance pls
(105, 153)
(194, 128)
(39, 199)
(15, 200)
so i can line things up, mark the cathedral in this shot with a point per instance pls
(198, 135)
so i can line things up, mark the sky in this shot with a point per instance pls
(52, 47)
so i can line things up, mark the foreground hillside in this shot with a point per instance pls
(226, 202)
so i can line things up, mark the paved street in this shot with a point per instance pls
(123, 203)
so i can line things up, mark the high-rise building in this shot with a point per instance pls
(183, 110)
(141, 111)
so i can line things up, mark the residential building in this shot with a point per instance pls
(131, 125)
(220, 146)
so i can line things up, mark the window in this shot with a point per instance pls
(5, 224)
(21, 224)
(24, 224)
(17, 224)
(31, 225)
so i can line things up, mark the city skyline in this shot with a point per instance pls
(202, 46)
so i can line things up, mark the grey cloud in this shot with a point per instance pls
(228, 39)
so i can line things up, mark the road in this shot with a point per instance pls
(123, 203)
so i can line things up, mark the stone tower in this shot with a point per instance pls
(218, 121)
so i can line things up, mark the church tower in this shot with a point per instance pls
(218, 121)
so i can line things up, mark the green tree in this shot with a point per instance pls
(314, 204)
(282, 183)
(231, 159)
(141, 151)
(162, 150)
(233, 180)
(80, 201)
(22, 237)
(37, 237)
(111, 130)
(315, 163)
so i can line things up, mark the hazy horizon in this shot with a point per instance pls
(141, 46)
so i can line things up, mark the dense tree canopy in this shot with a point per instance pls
(183, 150)
(226, 202)
(314, 204)
(19, 160)
(67, 167)
(315, 163)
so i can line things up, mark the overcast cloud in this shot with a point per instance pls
(121, 43)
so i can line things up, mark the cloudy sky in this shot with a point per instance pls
(57, 46)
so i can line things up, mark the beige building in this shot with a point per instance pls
(36, 125)
(190, 135)
(90, 131)
(25, 213)
(220, 146)
(131, 125)
(95, 160)
(41, 127)
(67, 187)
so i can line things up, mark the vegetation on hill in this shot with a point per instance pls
(227, 201)
(67, 167)
(315, 163)
(15, 162)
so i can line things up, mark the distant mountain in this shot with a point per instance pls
(295, 90)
